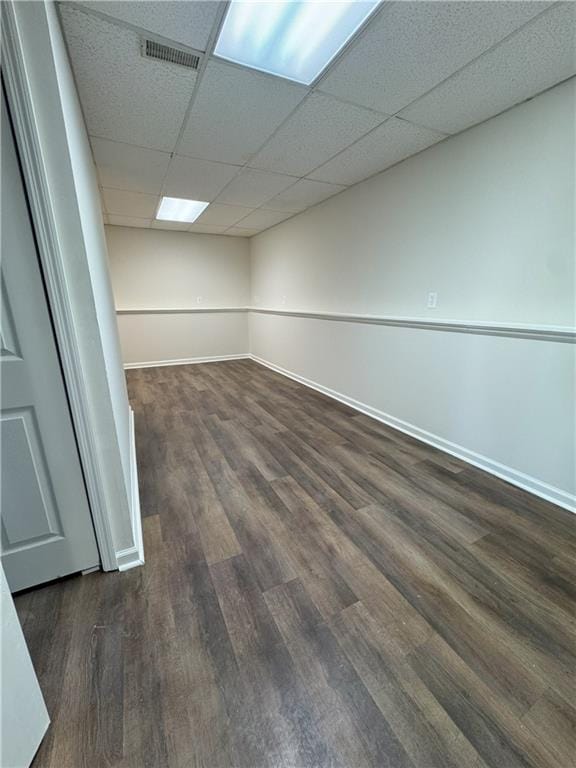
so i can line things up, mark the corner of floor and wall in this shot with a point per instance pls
(338, 297)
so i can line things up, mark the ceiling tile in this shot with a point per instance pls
(125, 97)
(261, 219)
(128, 221)
(386, 145)
(223, 215)
(234, 113)
(185, 22)
(302, 195)
(242, 231)
(197, 179)
(253, 188)
(178, 225)
(207, 229)
(412, 46)
(122, 166)
(320, 127)
(535, 58)
(123, 203)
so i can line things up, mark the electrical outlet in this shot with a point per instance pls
(199, 299)
(283, 300)
(432, 300)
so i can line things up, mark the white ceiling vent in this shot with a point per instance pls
(151, 49)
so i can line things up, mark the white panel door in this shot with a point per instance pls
(46, 524)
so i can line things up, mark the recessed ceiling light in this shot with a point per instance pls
(295, 39)
(177, 209)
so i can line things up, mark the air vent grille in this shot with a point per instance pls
(153, 50)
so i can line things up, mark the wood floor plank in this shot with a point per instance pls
(344, 705)
(428, 734)
(277, 714)
(482, 717)
(320, 591)
(553, 721)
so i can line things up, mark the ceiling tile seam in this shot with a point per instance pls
(209, 56)
(415, 154)
(356, 141)
(199, 77)
(293, 112)
(301, 178)
(352, 42)
(318, 86)
(487, 119)
(261, 147)
(142, 31)
(131, 191)
(314, 87)
(129, 144)
(418, 125)
(456, 72)
(247, 165)
(291, 216)
(367, 178)
(310, 90)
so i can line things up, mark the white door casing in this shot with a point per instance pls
(46, 526)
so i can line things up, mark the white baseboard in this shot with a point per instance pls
(513, 476)
(133, 556)
(185, 361)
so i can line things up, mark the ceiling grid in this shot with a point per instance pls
(260, 148)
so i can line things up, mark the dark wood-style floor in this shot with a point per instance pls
(319, 590)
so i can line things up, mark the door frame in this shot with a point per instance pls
(50, 253)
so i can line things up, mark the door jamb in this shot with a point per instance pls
(49, 248)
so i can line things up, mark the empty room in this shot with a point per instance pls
(288, 384)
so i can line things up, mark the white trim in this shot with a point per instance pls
(513, 476)
(185, 361)
(179, 310)
(133, 556)
(516, 330)
(49, 248)
(559, 333)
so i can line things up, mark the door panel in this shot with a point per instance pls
(46, 527)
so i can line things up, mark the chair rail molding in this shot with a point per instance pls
(558, 333)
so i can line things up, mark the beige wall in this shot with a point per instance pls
(485, 219)
(160, 269)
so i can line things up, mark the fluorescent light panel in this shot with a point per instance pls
(177, 209)
(295, 39)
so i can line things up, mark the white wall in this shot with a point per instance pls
(171, 270)
(485, 219)
(23, 714)
(70, 177)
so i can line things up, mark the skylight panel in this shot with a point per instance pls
(295, 39)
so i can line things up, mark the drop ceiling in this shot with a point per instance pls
(261, 149)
